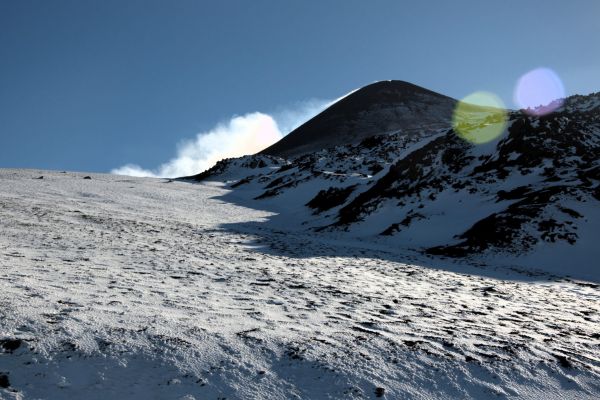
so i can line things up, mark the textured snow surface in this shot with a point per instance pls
(115, 287)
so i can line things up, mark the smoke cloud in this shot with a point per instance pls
(241, 135)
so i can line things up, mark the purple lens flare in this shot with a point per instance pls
(539, 92)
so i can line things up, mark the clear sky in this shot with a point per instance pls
(92, 85)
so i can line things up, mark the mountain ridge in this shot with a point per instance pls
(531, 195)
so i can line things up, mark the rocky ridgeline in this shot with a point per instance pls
(536, 181)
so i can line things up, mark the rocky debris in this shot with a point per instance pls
(241, 166)
(563, 361)
(327, 199)
(4, 381)
(10, 345)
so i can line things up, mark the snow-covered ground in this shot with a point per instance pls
(116, 287)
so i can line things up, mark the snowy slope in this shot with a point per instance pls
(116, 287)
(531, 197)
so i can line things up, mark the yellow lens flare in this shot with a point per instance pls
(480, 117)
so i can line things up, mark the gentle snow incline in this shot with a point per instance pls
(118, 287)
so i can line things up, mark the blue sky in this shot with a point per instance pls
(93, 85)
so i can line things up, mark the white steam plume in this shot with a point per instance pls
(241, 135)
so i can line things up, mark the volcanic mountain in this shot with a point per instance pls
(381, 107)
(409, 264)
(530, 197)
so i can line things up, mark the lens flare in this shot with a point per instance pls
(480, 117)
(539, 91)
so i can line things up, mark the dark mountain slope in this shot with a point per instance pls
(381, 107)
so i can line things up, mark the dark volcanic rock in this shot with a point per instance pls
(10, 345)
(235, 166)
(4, 382)
(332, 197)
